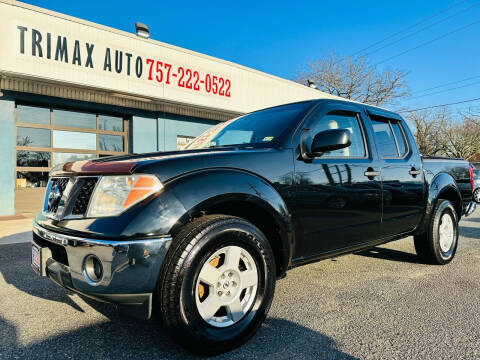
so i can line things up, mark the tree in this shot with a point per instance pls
(462, 139)
(356, 79)
(441, 133)
(428, 128)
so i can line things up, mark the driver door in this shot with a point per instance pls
(338, 197)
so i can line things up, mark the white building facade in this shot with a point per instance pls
(72, 89)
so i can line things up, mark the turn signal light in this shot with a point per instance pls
(142, 188)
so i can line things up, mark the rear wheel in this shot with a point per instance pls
(476, 195)
(439, 243)
(217, 283)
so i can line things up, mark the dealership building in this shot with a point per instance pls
(73, 90)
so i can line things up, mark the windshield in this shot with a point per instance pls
(261, 128)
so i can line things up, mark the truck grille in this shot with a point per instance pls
(68, 196)
(57, 184)
(86, 187)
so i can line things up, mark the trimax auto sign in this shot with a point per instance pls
(35, 43)
(38, 44)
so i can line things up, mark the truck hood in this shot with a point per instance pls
(129, 164)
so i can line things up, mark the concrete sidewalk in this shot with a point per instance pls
(15, 230)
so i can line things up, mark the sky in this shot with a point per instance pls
(279, 37)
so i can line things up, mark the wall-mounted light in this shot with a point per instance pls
(142, 30)
(311, 84)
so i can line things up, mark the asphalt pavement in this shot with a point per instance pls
(377, 304)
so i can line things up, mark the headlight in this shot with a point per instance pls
(115, 194)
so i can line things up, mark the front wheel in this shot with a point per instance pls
(217, 283)
(439, 243)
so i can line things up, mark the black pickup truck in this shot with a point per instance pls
(201, 235)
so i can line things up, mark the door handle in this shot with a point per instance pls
(414, 172)
(371, 173)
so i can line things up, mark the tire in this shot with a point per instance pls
(476, 195)
(438, 245)
(182, 292)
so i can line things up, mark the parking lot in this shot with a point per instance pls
(378, 304)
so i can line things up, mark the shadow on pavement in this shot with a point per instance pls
(277, 339)
(15, 269)
(470, 231)
(124, 337)
(390, 254)
(16, 238)
(471, 218)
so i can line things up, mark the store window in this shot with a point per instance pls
(46, 137)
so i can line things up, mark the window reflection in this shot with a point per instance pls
(33, 158)
(183, 140)
(402, 147)
(31, 179)
(74, 140)
(110, 123)
(60, 158)
(47, 133)
(74, 119)
(33, 137)
(33, 114)
(342, 120)
(384, 139)
(111, 143)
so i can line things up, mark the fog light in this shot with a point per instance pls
(92, 269)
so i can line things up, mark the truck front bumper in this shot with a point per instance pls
(123, 272)
(470, 208)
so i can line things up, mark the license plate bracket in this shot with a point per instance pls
(39, 259)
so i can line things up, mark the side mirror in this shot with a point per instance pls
(330, 140)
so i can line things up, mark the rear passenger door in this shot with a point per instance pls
(401, 175)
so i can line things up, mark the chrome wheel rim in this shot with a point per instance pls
(446, 232)
(226, 286)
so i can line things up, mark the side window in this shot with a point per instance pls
(342, 120)
(389, 138)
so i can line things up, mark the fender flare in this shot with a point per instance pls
(200, 190)
(442, 183)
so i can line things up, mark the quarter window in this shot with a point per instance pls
(342, 120)
(389, 138)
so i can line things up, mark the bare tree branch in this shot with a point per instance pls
(355, 79)
(440, 133)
